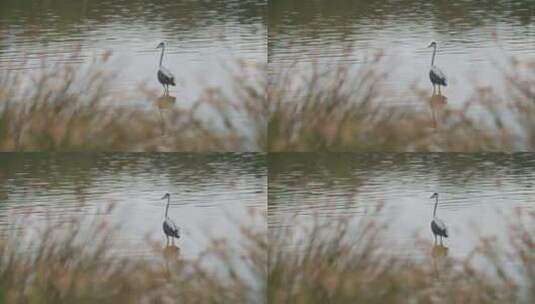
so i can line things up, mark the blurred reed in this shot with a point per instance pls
(71, 108)
(330, 108)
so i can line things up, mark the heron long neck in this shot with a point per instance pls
(436, 204)
(432, 58)
(167, 207)
(161, 56)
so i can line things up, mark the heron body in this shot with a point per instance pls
(436, 76)
(170, 229)
(165, 77)
(438, 227)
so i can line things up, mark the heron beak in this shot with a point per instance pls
(164, 196)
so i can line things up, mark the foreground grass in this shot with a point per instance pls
(74, 109)
(336, 264)
(330, 109)
(333, 109)
(64, 264)
(333, 263)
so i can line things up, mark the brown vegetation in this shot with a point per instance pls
(334, 262)
(354, 265)
(335, 110)
(63, 263)
(66, 109)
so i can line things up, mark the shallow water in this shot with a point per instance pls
(473, 39)
(201, 37)
(477, 192)
(211, 194)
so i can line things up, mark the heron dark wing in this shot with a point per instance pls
(170, 228)
(165, 79)
(167, 75)
(438, 227)
(437, 76)
(166, 229)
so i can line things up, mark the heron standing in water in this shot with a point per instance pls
(437, 226)
(165, 77)
(169, 227)
(436, 76)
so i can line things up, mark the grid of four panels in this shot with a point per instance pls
(267, 151)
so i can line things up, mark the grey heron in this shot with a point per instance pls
(165, 77)
(169, 227)
(436, 76)
(437, 226)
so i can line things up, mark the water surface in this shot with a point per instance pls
(202, 37)
(473, 37)
(211, 194)
(477, 192)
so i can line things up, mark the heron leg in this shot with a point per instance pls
(173, 240)
(439, 89)
(435, 238)
(166, 240)
(441, 240)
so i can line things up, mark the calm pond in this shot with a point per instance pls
(473, 38)
(202, 37)
(212, 195)
(476, 192)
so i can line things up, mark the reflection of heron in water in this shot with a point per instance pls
(439, 254)
(165, 77)
(437, 103)
(437, 226)
(170, 255)
(436, 76)
(171, 252)
(439, 251)
(164, 102)
(169, 227)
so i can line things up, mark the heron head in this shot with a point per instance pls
(432, 44)
(434, 195)
(166, 196)
(161, 45)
